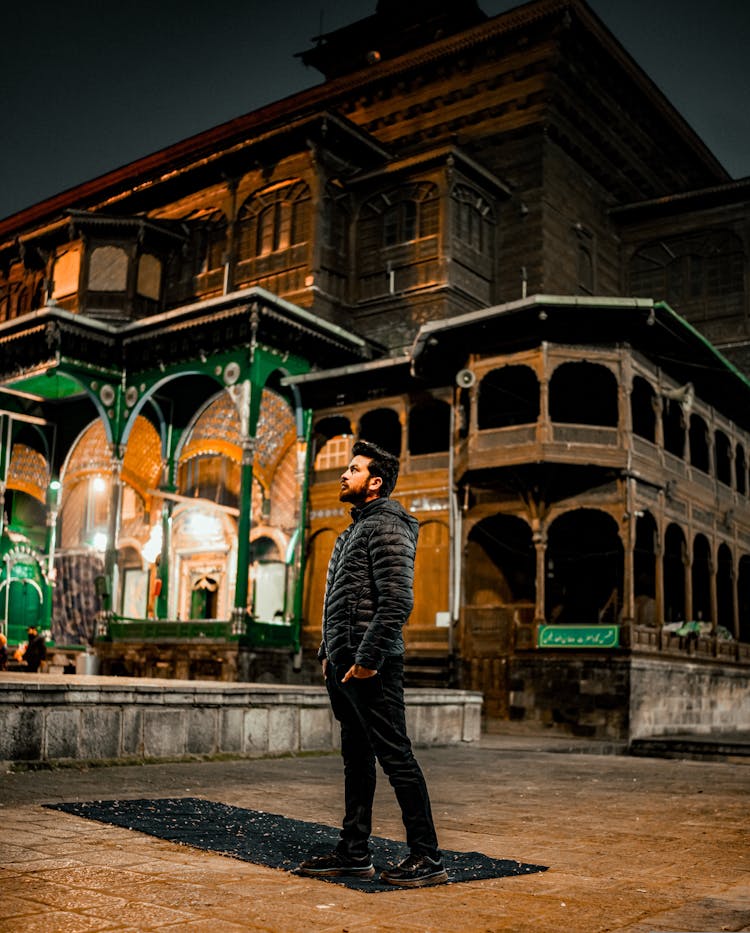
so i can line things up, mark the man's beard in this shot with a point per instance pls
(352, 496)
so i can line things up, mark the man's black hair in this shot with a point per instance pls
(383, 464)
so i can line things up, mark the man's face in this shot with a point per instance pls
(357, 486)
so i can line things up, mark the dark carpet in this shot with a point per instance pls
(269, 839)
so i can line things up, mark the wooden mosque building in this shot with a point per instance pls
(489, 244)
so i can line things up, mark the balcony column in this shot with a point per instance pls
(627, 532)
(688, 561)
(735, 600)
(656, 404)
(544, 428)
(714, 591)
(539, 537)
(659, 578)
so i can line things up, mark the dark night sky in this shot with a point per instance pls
(89, 85)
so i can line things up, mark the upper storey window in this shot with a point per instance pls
(682, 269)
(401, 215)
(108, 269)
(474, 219)
(213, 248)
(400, 223)
(274, 220)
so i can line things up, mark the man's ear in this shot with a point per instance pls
(375, 483)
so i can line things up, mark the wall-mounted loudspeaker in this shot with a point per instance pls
(465, 378)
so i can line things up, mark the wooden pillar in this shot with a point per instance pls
(712, 570)
(659, 578)
(688, 562)
(539, 537)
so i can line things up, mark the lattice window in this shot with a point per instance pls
(28, 472)
(274, 220)
(336, 453)
(401, 215)
(680, 269)
(474, 218)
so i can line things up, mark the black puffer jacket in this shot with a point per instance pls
(370, 586)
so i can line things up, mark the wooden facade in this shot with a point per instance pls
(490, 244)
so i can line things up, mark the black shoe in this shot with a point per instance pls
(336, 865)
(415, 871)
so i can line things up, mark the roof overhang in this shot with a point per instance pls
(32, 345)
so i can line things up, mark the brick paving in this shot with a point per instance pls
(633, 845)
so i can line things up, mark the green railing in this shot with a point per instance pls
(257, 633)
(122, 629)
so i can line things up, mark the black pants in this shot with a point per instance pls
(373, 726)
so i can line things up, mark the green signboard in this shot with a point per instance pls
(579, 636)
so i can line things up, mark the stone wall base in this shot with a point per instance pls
(606, 697)
(56, 718)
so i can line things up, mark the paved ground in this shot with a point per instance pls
(633, 845)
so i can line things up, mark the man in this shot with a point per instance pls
(369, 595)
(36, 650)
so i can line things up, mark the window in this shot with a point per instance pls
(149, 276)
(474, 219)
(214, 246)
(400, 223)
(400, 216)
(274, 220)
(108, 269)
(680, 269)
(336, 453)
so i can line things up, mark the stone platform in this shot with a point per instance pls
(53, 717)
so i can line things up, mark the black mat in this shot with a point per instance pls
(269, 839)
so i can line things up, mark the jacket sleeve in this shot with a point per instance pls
(391, 556)
(322, 652)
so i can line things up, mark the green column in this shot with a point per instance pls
(243, 534)
(6, 443)
(162, 600)
(113, 530)
(303, 477)
(53, 502)
(169, 485)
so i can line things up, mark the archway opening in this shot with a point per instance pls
(508, 396)
(701, 579)
(725, 588)
(583, 393)
(674, 574)
(584, 569)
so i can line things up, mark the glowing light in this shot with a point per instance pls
(99, 542)
(99, 484)
(202, 525)
(152, 548)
